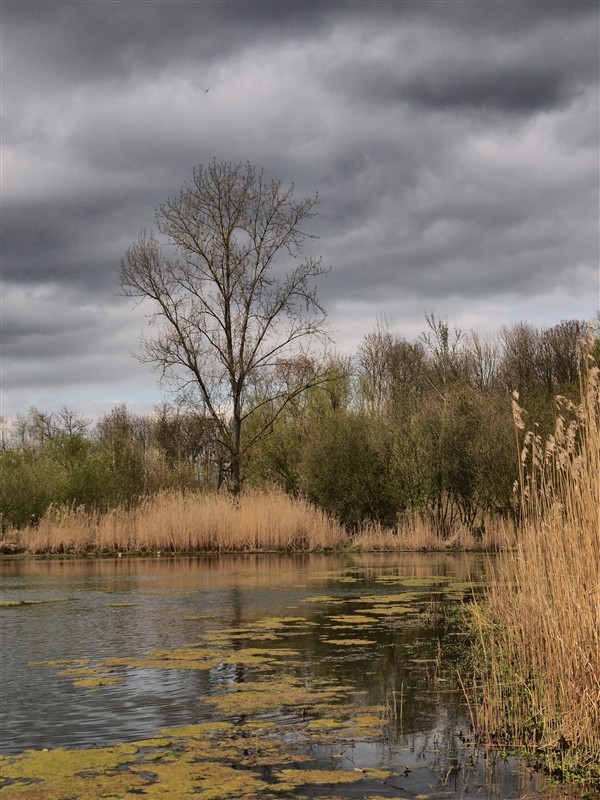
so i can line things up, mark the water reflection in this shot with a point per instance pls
(123, 608)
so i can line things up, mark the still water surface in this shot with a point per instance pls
(381, 625)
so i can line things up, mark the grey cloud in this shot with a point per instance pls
(509, 17)
(507, 89)
(454, 146)
(71, 244)
(428, 65)
(51, 313)
(90, 41)
(56, 337)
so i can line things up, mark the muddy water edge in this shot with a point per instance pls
(258, 676)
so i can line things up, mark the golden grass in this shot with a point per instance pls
(537, 678)
(188, 522)
(415, 533)
(259, 521)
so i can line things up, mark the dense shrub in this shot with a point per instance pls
(348, 474)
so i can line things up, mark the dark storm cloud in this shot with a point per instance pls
(509, 87)
(57, 243)
(454, 146)
(96, 40)
(439, 65)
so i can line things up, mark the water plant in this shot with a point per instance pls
(536, 682)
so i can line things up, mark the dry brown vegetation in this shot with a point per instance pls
(188, 522)
(537, 680)
(417, 533)
(259, 521)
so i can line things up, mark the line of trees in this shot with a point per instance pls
(399, 427)
(425, 426)
(236, 328)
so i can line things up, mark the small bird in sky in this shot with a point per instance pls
(206, 90)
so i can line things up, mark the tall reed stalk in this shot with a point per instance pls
(188, 522)
(416, 533)
(537, 678)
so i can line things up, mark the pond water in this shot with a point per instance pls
(260, 676)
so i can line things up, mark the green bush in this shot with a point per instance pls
(28, 485)
(347, 474)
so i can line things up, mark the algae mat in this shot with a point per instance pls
(320, 677)
(210, 760)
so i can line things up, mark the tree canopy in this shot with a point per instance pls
(229, 313)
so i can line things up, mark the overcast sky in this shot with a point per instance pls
(454, 146)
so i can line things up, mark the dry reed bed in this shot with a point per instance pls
(415, 533)
(537, 682)
(180, 522)
(257, 522)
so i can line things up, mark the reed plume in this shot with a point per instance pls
(537, 680)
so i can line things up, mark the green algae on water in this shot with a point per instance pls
(350, 642)
(301, 777)
(388, 611)
(14, 603)
(195, 658)
(212, 760)
(274, 623)
(352, 619)
(78, 672)
(122, 605)
(97, 681)
(257, 697)
(323, 598)
(60, 763)
(18, 603)
(59, 662)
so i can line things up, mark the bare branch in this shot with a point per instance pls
(222, 315)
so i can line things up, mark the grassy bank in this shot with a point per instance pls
(178, 522)
(537, 679)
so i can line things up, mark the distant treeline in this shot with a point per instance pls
(397, 428)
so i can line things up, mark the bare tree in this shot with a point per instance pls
(390, 369)
(519, 368)
(227, 312)
(560, 354)
(482, 360)
(34, 429)
(445, 351)
(71, 422)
